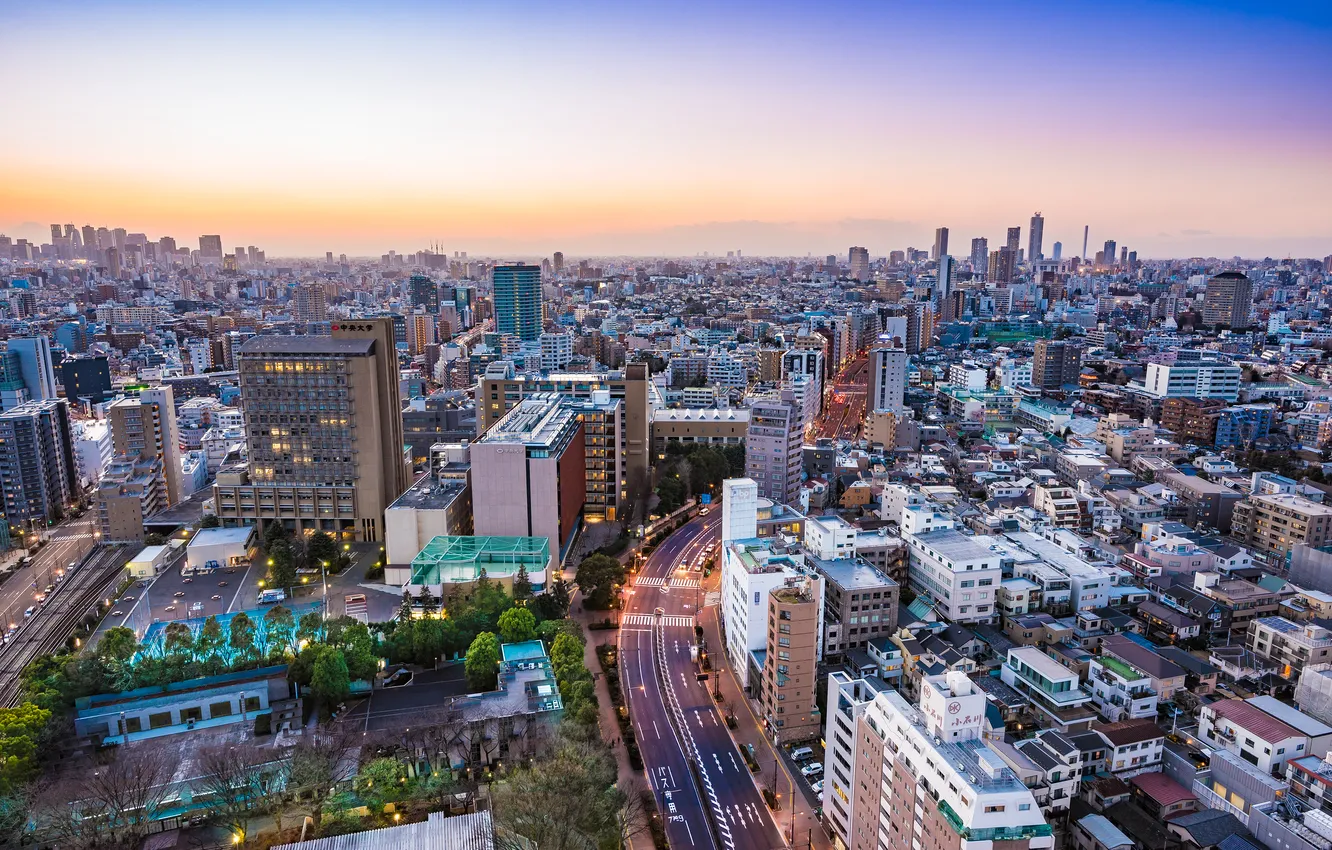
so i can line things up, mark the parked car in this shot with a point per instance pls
(811, 769)
(800, 754)
(32, 609)
(816, 786)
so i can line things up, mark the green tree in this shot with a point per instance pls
(208, 644)
(321, 548)
(427, 640)
(522, 584)
(280, 627)
(311, 628)
(20, 730)
(117, 645)
(210, 521)
(241, 639)
(559, 592)
(179, 640)
(482, 664)
(670, 494)
(598, 576)
(282, 570)
(405, 609)
(381, 782)
(517, 625)
(358, 648)
(329, 679)
(429, 604)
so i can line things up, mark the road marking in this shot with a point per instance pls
(658, 729)
(685, 582)
(651, 620)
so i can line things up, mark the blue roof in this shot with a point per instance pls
(1139, 640)
(528, 650)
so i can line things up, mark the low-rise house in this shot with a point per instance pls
(1318, 732)
(1135, 746)
(1094, 832)
(1048, 765)
(1199, 676)
(1289, 646)
(1036, 629)
(1166, 625)
(1055, 692)
(1166, 677)
(1252, 734)
(1120, 690)
(1162, 797)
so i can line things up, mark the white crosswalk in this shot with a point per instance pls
(649, 620)
(651, 581)
(685, 582)
(658, 581)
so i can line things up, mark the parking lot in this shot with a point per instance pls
(808, 767)
(388, 709)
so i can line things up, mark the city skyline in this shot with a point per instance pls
(656, 131)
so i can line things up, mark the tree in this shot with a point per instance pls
(179, 640)
(283, 567)
(381, 782)
(311, 628)
(118, 645)
(154, 540)
(321, 760)
(237, 782)
(482, 664)
(598, 576)
(559, 592)
(358, 650)
(129, 792)
(210, 521)
(517, 625)
(20, 730)
(242, 637)
(567, 801)
(522, 584)
(329, 679)
(274, 533)
(429, 604)
(280, 627)
(670, 494)
(321, 548)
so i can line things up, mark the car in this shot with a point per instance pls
(117, 613)
(128, 598)
(50, 587)
(221, 584)
(40, 598)
(801, 755)
(703, 512)
(178, 594)
(32, 609)
(230, 572)
(811, 769)
(187, 581)
(217, 598)
(816, 786)
(698, 568)
(169, 608)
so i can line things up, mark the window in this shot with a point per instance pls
(1023, 807)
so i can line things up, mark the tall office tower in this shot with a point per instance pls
(887, 376)
(1056, 363)
(1014, 238)
(89, 241)
(558, 263)
(424, 292)
(334, 461)
(529, 474)
(1003, 264)
(1228, 300)
(72, 234)
(1123, 257)
(57, 233)
(167, 248)
(790, 668)
(1086, 232)
(113, 263)
(1058, 250)
(34, 357)
(241, 257)
(256, 256)
(886, 754)
(309, 303)
(518, 300)
(1035, 237)
(772, 447)
(1109, 252)
(210, 248)
(420, 332)
(118, 236)
(858, 258)
(944, 286)
(328, 257)
(144, 476)
(940, 248)
(39, 476)
(980, 255)
(1132, 260)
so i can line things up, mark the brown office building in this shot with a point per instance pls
(1228, 300)
(323, 423)
(144, 476)
(1192, 420)
(1056, 363)
(790, 666)
(1275, 523)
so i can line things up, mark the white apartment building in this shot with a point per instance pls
(830, 538)
(1252, 734)
(895, 498)
(898, 776)
(968, 376)
(751, 568)
(92, 450)
(556, 351)
(1014, 375)
(888, 368)
(1120, 691)
(1201, 379)
(957, 572)
(1054, 690)
(726, 370)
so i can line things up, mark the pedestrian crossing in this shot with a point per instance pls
(650, 620)
(658, 581)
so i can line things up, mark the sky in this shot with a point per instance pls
(643, 128)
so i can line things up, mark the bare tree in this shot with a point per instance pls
(322, 760)
(441, 733)
(239, 783)
(63, 820)
(631, 818)
(129, 790)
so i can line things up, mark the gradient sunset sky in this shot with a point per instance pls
(507, 128)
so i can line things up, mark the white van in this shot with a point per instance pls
(800, 754)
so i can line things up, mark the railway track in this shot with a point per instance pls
(68, 605)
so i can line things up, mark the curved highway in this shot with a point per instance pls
(674, 715)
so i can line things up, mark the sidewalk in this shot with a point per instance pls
(627, 779)
(808, 830)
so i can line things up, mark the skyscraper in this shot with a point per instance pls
(144, 476)
(89, 240)
(1014, 237)
(945, 285)
(1003, 265)
(1056, 363)
(940, 243)
(518, 300)
(34, 356)
(772, 447)
(1058, 250)
(887, 376)
(980, 255)
(309, 303)
(1035, 237)
(336, 458)
(558, 263)
(858, 258)
(38, 474)
(1109, 252)
(210, 247)
(57, 233)
(1228, 300)
(424, 292)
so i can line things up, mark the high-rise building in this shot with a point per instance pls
(1035, 237)
(324, 426)
(772, 447)
(34, 357)
(1057, 362)
(887, 376)
(39, 476)
(1014, 239)
(1058, 250)
(558, 263)
(790, 669)
(89, 241)
(1109, 253)
(940, 248)
(1210, 378)
(858, 258)
(86, 378)
(518, 300)
(529, 473)
(1003, 265)
(210, 249)
(424, 292)
(144, 475)
(980, 255)
(944, 286)
(1228, 300)
(420, 332)
(309, 303)
(57, 234)
(802, 373)
(886, 755)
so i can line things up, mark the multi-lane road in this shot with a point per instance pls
(705, 792)
(844, 413)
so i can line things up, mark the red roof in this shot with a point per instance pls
(1161, 788)
(1256, 721)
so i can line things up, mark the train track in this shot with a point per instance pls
(50, 628)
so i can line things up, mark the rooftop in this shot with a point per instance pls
(1253, 719)
(449, 559)
(316, 345)
(539, 419)
(222, 536)
(430, 493)
(852, 573)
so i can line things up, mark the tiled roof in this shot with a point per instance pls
(1130, 731)
(1254, 719)
(1161, 788)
